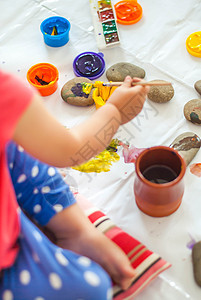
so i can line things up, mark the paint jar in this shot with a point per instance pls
(128, 12)
(193, 44)
(159, 182)
(89, 64)
(44, 77)
(55, 31)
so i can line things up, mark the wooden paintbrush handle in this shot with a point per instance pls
(155, 83)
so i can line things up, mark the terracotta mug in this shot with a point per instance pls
(159, 181)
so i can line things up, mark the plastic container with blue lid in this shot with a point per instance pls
(89, 64)
(55, 31)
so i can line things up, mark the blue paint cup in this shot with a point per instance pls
(55, 31)
(89, 64)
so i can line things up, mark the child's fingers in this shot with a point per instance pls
(127, 81)
(137, 79)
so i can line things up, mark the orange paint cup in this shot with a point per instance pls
(128, 12)
(159, 183)
(44, 77)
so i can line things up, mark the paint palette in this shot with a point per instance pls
(104, 22)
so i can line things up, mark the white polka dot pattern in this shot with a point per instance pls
(45, 189)
(39, 298)
(51, 171)
(84, 261)
(61, 258)
(37, 236)
(37, 208)
(20, 148)
(34, 171)
(55, 281)
(19, 195)
(58, 207)
(25, 277)
(11, 165)
(7, 295)
(35, 191)
(92, 278)
(21, 178)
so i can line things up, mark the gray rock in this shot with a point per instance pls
(72, 92)
(192, 111)
(187, 144)
(119, 71)
(196, 258)
(160, 94)
(197, 86)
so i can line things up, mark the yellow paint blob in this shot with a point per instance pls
(103, 161)
(87, 87)
(102, 93)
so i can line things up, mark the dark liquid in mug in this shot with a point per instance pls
(159, 174)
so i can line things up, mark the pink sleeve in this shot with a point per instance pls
(15, 96)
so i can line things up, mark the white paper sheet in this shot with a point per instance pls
(157, 44)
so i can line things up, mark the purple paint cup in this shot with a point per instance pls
(89, 64)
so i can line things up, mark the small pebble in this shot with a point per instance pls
(160, 94)
(72, 92)
(187, 144)
(192, 111)
(197, 86)
(119, 71)
(196, 257)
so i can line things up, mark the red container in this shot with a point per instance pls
(155, 199)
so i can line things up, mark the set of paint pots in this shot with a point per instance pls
(44, 76)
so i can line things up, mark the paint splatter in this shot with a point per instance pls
(196, 169)
(191, 243)
(103, 161)
(130, 153)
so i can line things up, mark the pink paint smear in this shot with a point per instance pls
(196, 169)
(130, 153)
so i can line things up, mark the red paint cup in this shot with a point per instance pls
(159, 182)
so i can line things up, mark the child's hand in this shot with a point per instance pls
(128, 99)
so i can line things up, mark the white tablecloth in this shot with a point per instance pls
(157, 44)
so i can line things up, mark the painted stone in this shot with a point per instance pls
(196, 258)
(192, 111)
(160, 94)
(119, 71)
(72, 92)
(197, 86)
(187, 144)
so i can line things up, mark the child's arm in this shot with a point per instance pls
(75, 232)
(45, 138)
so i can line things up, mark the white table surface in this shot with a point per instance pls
(157, 44)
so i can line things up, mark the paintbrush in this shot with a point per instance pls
(155, 83)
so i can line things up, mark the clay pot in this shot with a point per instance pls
(159, 199)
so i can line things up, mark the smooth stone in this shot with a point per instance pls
(192, 111)
(197, 86)
(119, 71)
(160, 94)
(187, 144)
(72, 92)
(196, 258)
